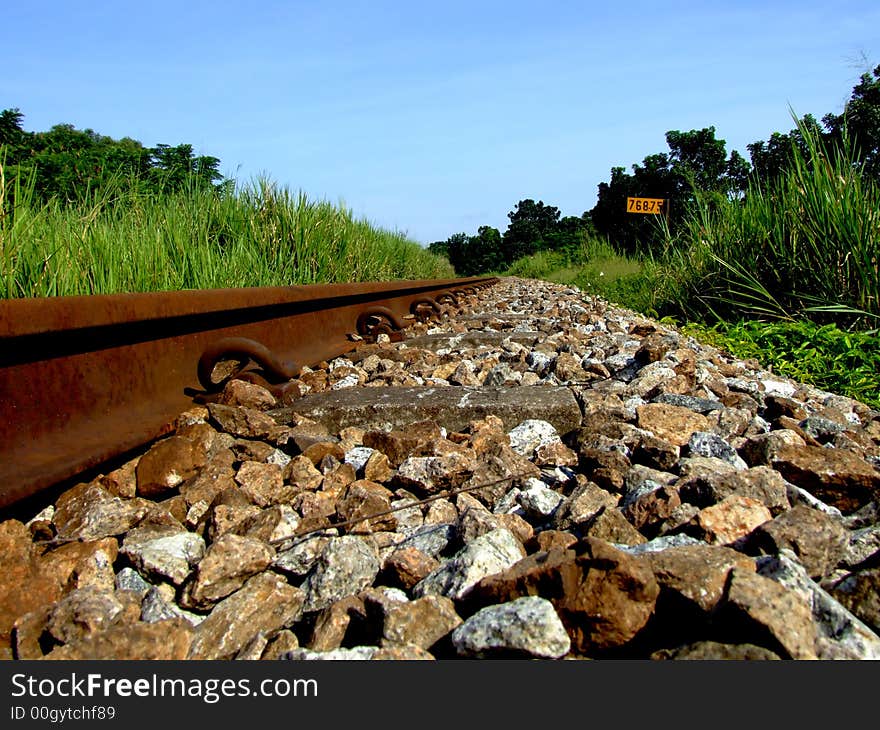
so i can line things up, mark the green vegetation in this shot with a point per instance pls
(194, 238)
(84, 214)
(823, 355)
(71, 164)
(806, 243)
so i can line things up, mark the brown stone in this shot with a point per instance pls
(761, 483)
(332, 623)
(212, 479)
(377, 468)
(264, 484)
(314, 504)
(27, 633)
(860, 593)
(407, 566)
(167, 465)
(243, 422)
(603, 596)
(227, 564)
(549, 539)
(582, 505)
(653, 348)
(656, 453)
(224, 518)
(732, 518)
(818, 540)
(167, 640)
(315, 381)
(19, 568)
(610, 525)
(695, 575)
(302, 474)
(306, 432)
(768, 614)
(398, 445)
(762, 449)
(837, 477)
(320, 450)
(555, 454)
(422, 622)
(647, 511)
(78, 564)
(282, 643)
(486, 433)
(475, 522)
(266, 603)
(606, 467)
(250, 450)
(401, 652)
(250, 395)
(338, 479)
(567, 368)
(272, 523)
(361, 499)
(674, 424)
(715, 650)
(521, 529)
(90, 512)
(122, 482)
(81, 613)
(776, 406)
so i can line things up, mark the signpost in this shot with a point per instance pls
(651, 206)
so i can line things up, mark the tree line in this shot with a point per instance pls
(696, 163)
(66, 163)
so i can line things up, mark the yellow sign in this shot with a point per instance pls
(646, 205)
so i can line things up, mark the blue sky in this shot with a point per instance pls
(432, 120)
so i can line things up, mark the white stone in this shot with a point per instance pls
(538, 500)
(169, 555)
(530, 434)
(488, 554)
(358, 456)
(528, 625)
(779, 387)
(839, 634)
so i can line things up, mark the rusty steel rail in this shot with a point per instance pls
(85, 379)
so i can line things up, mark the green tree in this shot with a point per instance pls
(696, 160)
(457, 252)
(11, 131)
(861, 120)
(771, 158)
(66, 163)
(530, 225)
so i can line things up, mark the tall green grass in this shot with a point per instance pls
(804, 244)
(596, 266)
(125, 240)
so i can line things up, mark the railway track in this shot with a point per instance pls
(86, 379)
(533, 473)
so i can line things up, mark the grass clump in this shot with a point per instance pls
(597, 267)
(123, 239)
(806, 243)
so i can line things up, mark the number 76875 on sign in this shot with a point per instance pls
(656, 206)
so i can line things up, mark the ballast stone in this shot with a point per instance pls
(528, 625)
